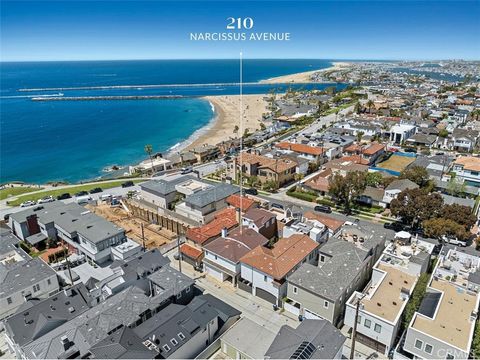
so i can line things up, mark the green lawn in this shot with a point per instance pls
(17, 190)
(71, 190)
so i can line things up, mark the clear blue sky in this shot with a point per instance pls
(90, 30)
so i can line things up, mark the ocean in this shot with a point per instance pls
(43, 141)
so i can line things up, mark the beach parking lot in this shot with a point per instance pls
(155, 235)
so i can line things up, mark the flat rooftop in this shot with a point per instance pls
(451, 323)
(384, 299)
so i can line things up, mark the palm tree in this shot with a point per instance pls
(149, 150)
(359, 136)
(370, 105)
(235, 129)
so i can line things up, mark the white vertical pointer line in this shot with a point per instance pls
(241, 144)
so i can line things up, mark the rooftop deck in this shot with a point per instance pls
(384, 299)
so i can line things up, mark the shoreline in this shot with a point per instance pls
(304, 77)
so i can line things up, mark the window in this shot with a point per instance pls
(174, 342)
(181, 336)
(378, 328)
(367, 323)
(295, 290)
(418, 344)
(49, 282)
(322, 258)
(179, 295)
(166, 348)
(187, 290)
(215, 257)
(36, 288)
(325, 304)
(9, 300)
(428, 348)
(265, 278)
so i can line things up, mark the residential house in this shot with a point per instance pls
(262, 221)
(37, 317)
(467, 169)
(421, 139)
(382, 302)
(241, 341)
(396, 187)
(88, 234)
(276, 170)
(333, 225)
(311, 153)
(312, 339)
(463, 140)
(23, 279)
(241, 203)
(205, 153)
(264, 270)
(444, 324)
(345, 264)
(312, 228)
(401, 132)
(222, 255)
(224, 219)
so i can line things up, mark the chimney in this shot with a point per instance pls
(65, 342)
(224, 232)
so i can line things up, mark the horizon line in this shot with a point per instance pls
(252, 58)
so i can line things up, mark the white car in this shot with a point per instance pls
(28, 203)
(46, 199)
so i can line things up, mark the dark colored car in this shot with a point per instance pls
(64, 196)
(81, 193)
(410, 150)
(96, 190)
(393, 226)
(277, 206)
(127, 184)
(251, 191)
(323, 208)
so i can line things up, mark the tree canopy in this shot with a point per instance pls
(345, 189)
(417, 174)
(415, 206)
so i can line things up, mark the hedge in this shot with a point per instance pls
(325, 202)
(302, 196)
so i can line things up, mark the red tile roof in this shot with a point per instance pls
(300, 148)
(234, 200)
(282, 258)
(329, 222)
(373, 149)
(190, 251)
(225, 218)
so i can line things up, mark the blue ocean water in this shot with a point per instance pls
(75, 140)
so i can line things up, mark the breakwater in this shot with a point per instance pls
(93, 98)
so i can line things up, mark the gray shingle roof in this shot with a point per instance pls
(401, 184)
(332, 278)
(326, 339)
(43, 316)
(164, 187)
(23, 274)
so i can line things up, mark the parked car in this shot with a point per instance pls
(81, 193)
(46, 199)
(96, 190)
(251, 191)
(106, 197)
(277, 206)
(323, 208)
(64, 196)
(127, 184)
(186, 170)
(28, 203)
(393, 226)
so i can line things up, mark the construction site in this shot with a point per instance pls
(154, 233)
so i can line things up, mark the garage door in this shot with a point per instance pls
(265, 295)
(214, 272)
(311, 315)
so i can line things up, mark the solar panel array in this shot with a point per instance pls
(304, 351)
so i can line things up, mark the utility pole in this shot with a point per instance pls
(354, 332)
(68, 263)
(179, 254)
(143, 238)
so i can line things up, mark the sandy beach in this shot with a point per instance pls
(303, 77)
(227, 111)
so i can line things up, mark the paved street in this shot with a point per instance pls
(252, 307)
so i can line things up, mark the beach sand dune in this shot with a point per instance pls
(227, 111)
(303, 77)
